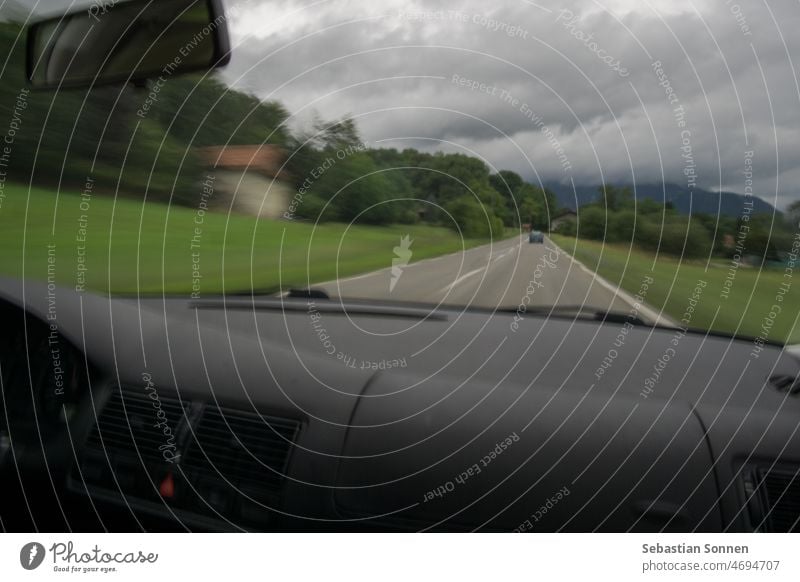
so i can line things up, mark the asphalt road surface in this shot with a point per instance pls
(503, 274)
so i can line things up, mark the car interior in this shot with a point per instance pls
(425, 391)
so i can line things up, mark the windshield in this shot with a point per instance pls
(635, 158)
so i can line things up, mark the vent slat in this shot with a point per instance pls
(780, 493)
(128, 422)
(233, 460)
(245, 449)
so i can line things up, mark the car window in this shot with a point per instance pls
(581, 155)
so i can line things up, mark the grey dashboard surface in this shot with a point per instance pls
(415, 418)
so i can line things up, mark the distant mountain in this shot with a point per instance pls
(697, 201)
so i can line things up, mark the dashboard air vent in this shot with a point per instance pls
(247, 451)
(229, 465)
(776, 493)
(131, 424)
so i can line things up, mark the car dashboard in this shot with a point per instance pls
(246, 413)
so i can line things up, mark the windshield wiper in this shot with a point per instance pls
(308, 293)
(294, 293)
(582, 312)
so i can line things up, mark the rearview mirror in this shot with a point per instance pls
(114, 42)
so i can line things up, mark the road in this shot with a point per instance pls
(507, 274)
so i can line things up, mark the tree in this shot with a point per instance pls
(685, 237)
(450, 175)
(765, 238)
(648, 207)
(339, 135)
(474, 220)
(591, 222)
(621, 226)
(647, 234)
(536, 205)
(506, 183)
(626, 198)
(609, 196)
(205, 112)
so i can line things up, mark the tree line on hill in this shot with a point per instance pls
(683, 199)
(616, 217)
(340, 179)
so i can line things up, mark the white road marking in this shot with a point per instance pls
(449, 287)
(658, 319)
(386, 270)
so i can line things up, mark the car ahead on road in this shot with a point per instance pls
(536, 236)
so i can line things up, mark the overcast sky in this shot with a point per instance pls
(576, 75)
(392, 64)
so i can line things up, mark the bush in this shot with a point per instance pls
(678, 235)
(473, 219)
(591, 223)
(684, 238)
(353, 186)
(647, 233)
(567, 228)
(621, 226)
(311, 207)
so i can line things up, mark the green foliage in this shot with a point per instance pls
(506, 183)
(314, 208)
(155, 170)
(649, 207)
(653, 226)
(474, 220)
(719, 228)
(135, 246)
(621, 226)
(450, 175)
(674, 279)
(609, 197)
(765, 237)
(205, 112)
(359, 191)
(681, 236)
(592, 223)
(567, 228)
(340, 181)
(648, 231)
(439, 182)
(536, 206)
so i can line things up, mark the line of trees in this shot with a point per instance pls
(616, 217)
(350, 181)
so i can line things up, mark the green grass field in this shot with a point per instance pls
(132, 246)
(752, 294)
